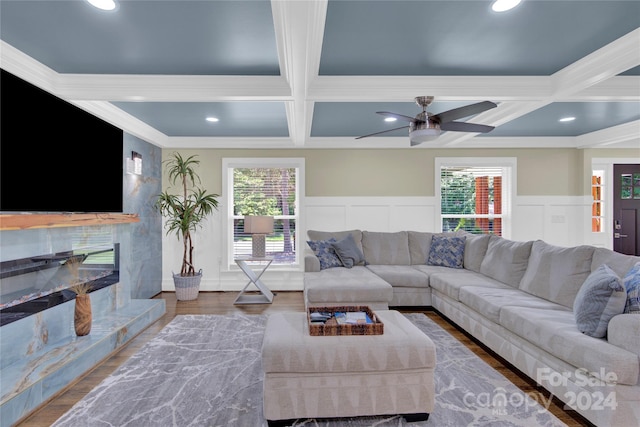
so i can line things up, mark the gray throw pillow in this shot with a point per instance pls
(631, 283)
(600, 297)
(446, 251)
(348, 252)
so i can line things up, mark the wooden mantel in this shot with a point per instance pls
(31, 221)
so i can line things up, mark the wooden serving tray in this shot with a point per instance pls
(332, 328)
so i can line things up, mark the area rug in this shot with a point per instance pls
(205, 370)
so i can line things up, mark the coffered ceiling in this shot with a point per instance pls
(312, 74)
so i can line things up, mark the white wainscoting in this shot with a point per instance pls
(370, 213)
(559, 220)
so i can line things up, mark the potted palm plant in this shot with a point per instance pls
(184, 213)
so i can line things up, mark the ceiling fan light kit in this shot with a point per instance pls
(423, 132)
(427, 127)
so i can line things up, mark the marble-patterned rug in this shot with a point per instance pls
(205, 370)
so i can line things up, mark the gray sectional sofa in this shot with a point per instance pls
(517, 298)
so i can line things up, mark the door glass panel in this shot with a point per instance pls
(626, 190)
(636, 185)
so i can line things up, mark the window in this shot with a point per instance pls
(475, 194)
(597, 207)
(264, 186)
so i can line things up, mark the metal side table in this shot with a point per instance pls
(265, 296)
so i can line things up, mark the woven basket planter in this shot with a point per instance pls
(187, 287)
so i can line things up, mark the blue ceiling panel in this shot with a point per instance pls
(145, 37)
(467, 37)
(237, 119)
(590, 116)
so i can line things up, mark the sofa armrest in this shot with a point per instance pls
(623, 331)
(311, 261)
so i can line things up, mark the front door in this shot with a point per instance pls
(626, 209)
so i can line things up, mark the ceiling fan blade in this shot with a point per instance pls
(466, 127)
(399, 116)
(384, 131)
(468, 110)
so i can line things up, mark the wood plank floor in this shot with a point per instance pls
(222, 303)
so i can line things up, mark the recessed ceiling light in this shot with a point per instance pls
(567, 119)
(103, 4)
(390, 119)
(504, 5)
(213, 119)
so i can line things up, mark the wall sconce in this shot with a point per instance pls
(134, 164)
(259, 227)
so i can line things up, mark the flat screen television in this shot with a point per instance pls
(54, 156)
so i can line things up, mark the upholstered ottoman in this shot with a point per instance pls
(344, 376)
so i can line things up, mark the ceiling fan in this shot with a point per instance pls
(426, 126)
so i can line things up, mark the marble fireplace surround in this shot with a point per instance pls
(40, 354)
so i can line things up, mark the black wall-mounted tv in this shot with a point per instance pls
(54, 156)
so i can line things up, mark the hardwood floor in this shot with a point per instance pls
(222, 303)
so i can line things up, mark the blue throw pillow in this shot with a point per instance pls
(600, 297)
(446, 251)
(349, 252)
(325, 253)
(631, 283)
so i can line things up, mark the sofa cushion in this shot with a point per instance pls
(620, 263)
(475, 248)
(489, 301)
(555, 332)
(631, 282)
(556, 273)
(346, 285)
(506, 260)
(450, 282)
(401, 275)
(348, 252)
(383, 248)
(601, 297)
(419, 244)
(325, 253)
(623, 331)
(446, 251)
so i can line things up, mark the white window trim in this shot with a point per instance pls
(230, 163)
(509, 185)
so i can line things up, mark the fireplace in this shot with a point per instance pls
(33, 284)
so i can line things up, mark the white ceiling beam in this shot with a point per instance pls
(609, 61)
(299, 29)
(163, 88)
(261, 143)
(444, 88)
(627, 134)
(619, 88)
